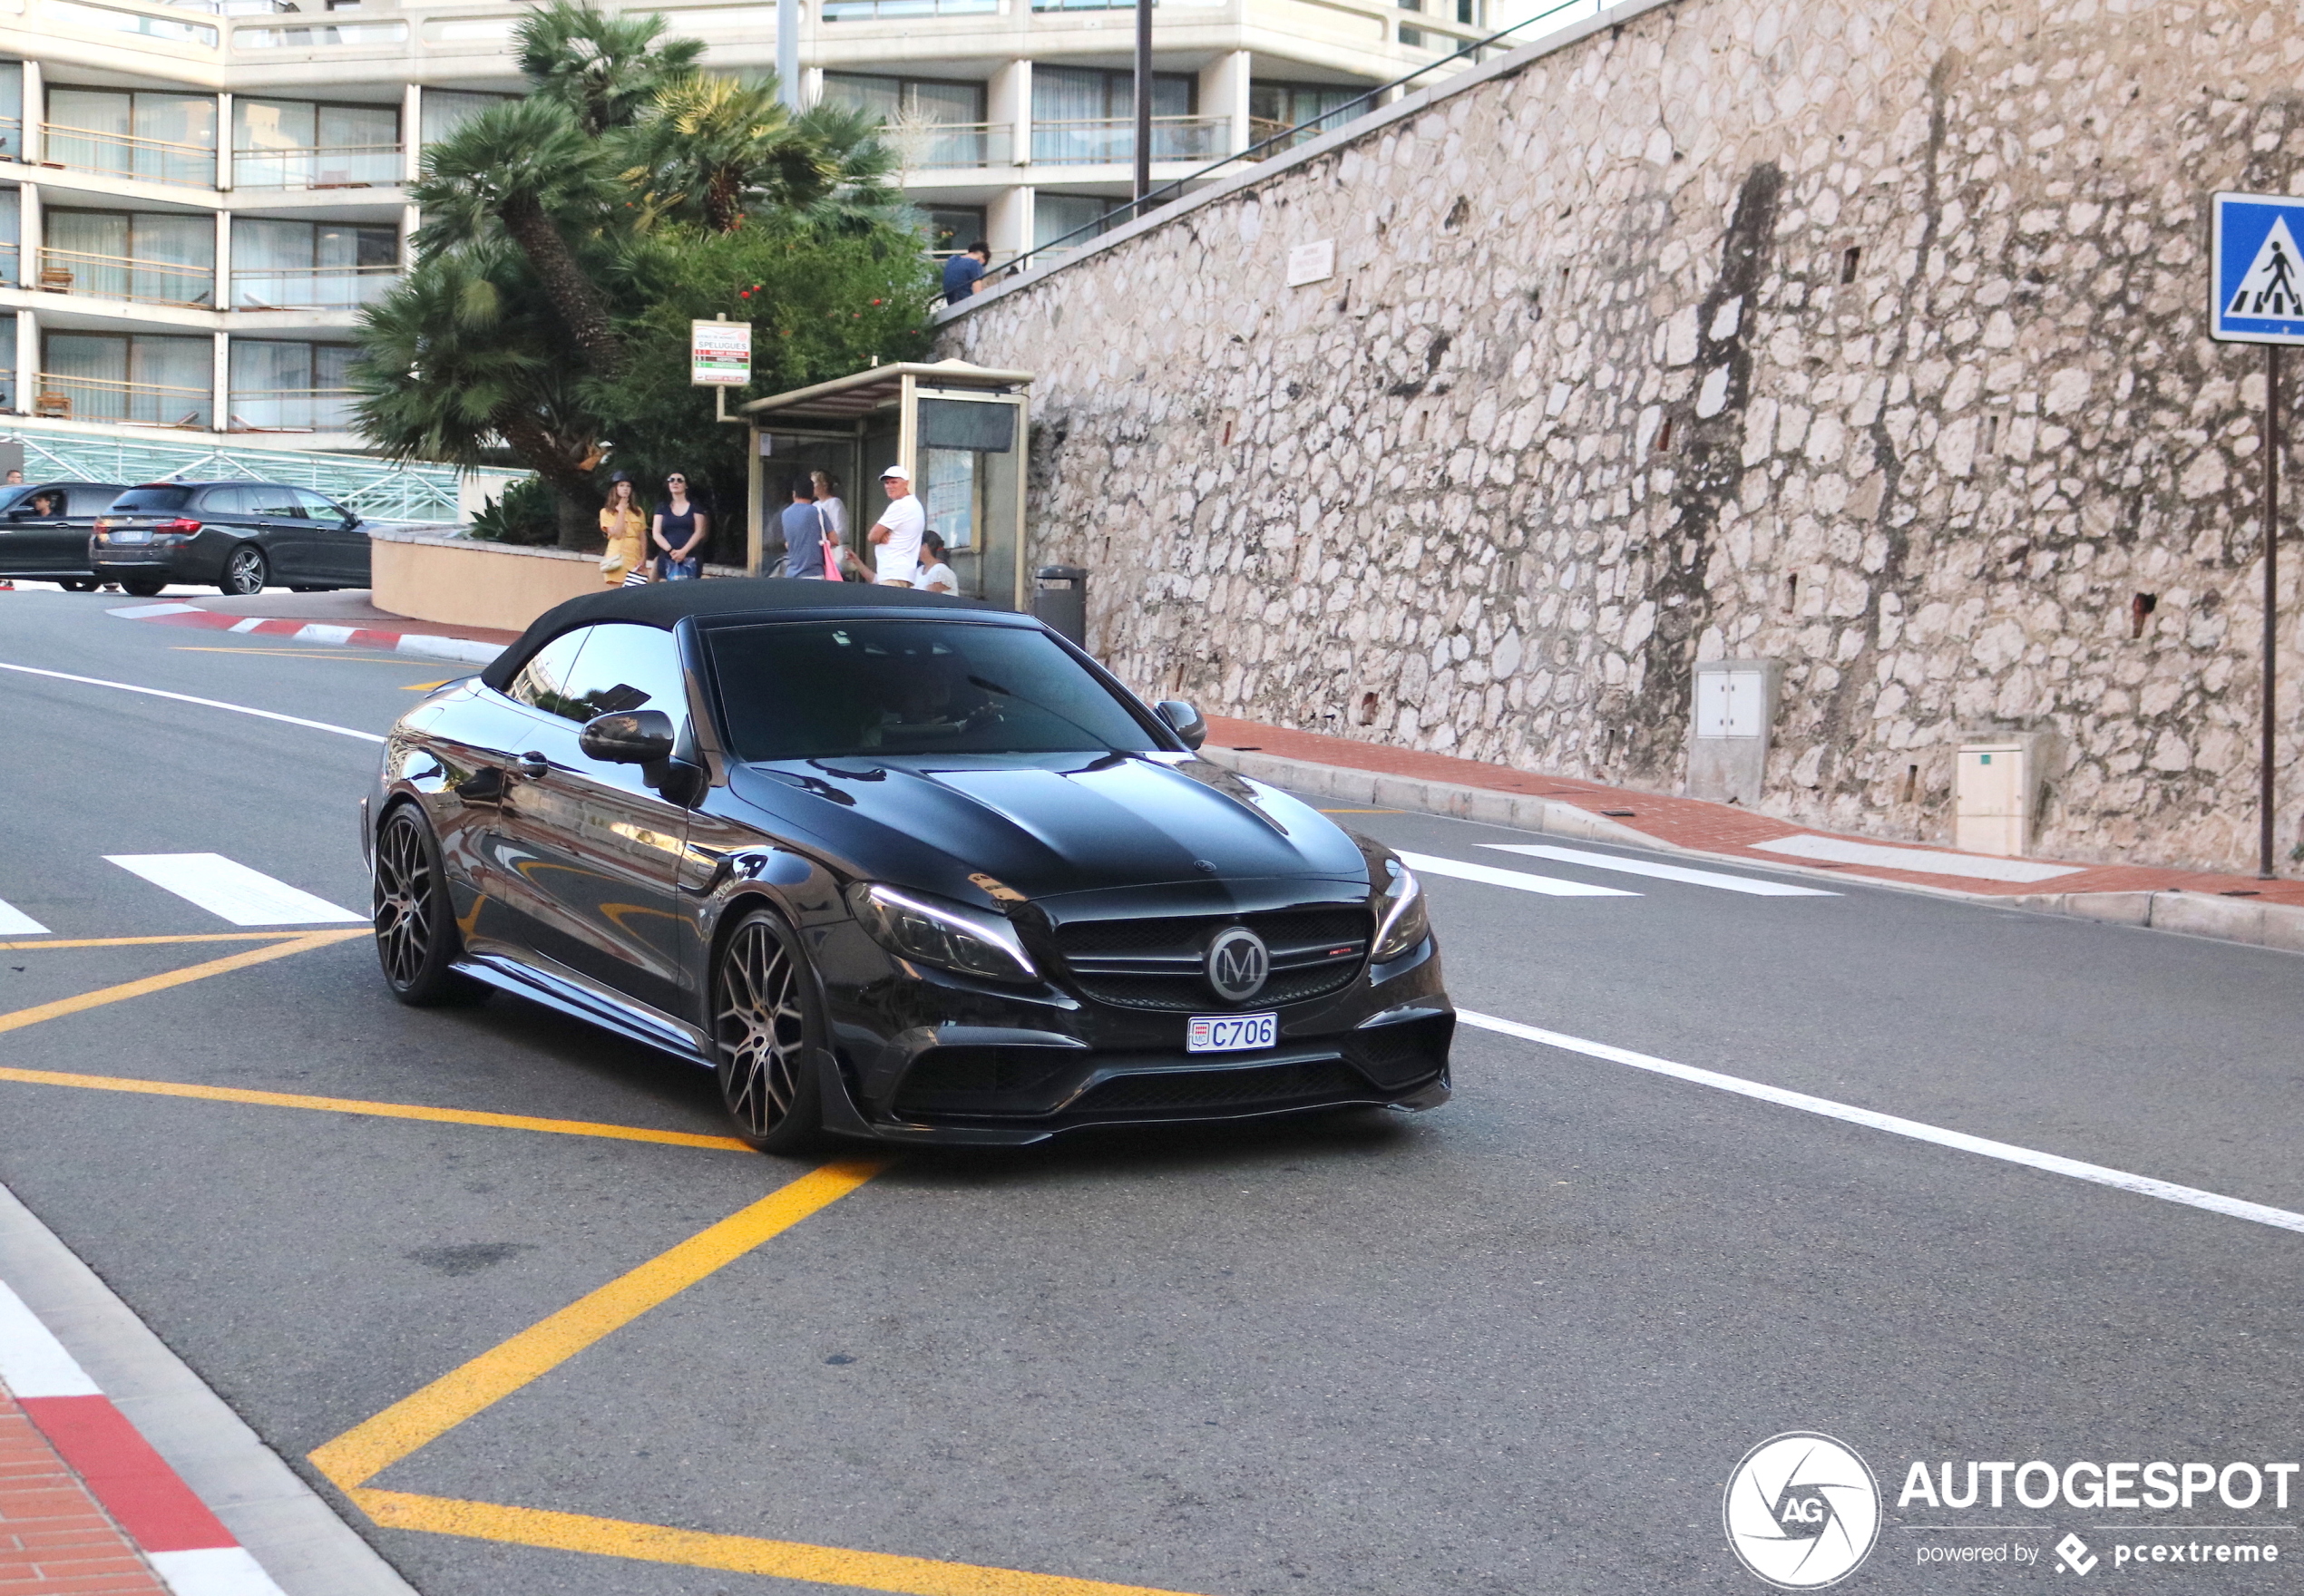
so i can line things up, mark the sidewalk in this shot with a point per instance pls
(2233, 907)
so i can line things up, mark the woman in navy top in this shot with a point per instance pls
(678, 530)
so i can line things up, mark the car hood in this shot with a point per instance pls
(1050, 825)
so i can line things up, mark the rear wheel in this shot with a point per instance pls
(143, 590)
(244, 572)
(417, 939)
(767, 1032)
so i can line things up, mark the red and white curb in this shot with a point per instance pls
(187, 1545)
(470, 650)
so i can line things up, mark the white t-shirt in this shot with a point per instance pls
(936, 578)
(899, 558)
(836, 516)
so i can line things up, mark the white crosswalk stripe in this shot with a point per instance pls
(16, 922)
(232, 890)
(1550, 886)
(1660, 871)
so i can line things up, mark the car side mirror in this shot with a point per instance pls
(627, 736)
(351, 521)
(1184, 720)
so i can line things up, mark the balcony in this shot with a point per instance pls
(339, 166)
(289, 409)
(905, 10)
(153, 160)
(121, 277)
(319, 288)
(1111, 140)
(151, 405)
(944, 146)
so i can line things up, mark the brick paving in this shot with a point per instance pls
(1713, 828)
(56, 1540)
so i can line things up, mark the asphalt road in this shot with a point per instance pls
(1514, 1346)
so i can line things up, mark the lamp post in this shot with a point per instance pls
(1143, 103)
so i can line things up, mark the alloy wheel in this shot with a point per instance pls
(404, 902)
(244, 572)
(762, 1029)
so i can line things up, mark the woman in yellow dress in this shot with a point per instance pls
(626, 529)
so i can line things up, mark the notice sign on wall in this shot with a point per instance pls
(719, 354)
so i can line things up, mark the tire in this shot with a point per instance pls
(143, 590)
(78, 584)
(767, 1032)
(244, 572)
(417, 940)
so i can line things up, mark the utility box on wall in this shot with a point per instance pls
(1735, 705)
(1996, 791)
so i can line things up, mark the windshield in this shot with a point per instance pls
(151, 500)
(849, 689)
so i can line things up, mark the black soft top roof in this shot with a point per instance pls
(665, 604)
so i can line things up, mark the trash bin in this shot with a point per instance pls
(1060, 599)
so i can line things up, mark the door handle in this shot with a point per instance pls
(533, 766)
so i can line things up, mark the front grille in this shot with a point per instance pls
(1274, 1085)
(1156, 963)
(1400, 1054)
(959, 1079)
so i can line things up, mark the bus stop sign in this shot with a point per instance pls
(2256, 269)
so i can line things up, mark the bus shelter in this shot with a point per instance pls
(960, 431)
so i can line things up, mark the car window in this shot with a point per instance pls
(320, 507)
(92, 498)
(274, 501)
(543, 682)
(626, 667)
(849, 689)
(224, 501)
(40, 504)
(159, 498)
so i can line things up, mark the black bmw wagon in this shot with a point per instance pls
(895, 866)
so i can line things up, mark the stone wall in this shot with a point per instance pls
(1866, 338)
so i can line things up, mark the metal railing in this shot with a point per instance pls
(157, 161)
(317, 288)
(948, 144)
(895, 10)
(148, 405)
(289, 410)
(380, 490)
(1111, 140)
(324, 166)
(126, 276)
(1352, 110)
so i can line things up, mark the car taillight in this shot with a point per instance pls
(102, 529)
(179, 527)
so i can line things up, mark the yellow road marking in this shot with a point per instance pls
(362, 1452)
(784, 1560)
(336, 655)
(455, 1116)
(157, 942)
(427, 687)
(1364, 812)
(300, 942)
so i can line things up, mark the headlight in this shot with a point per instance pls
(946, 935)
(1404, 923)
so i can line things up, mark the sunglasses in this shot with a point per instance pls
(669, 481)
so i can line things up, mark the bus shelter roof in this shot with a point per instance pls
(860, 394)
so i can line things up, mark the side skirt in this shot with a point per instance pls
(632, 1021)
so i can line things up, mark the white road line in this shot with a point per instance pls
(1550, 886)
(32, 1362)
(2053, 1164)
(16, 922)
(1663, 872)
(249, 624)
(213, 1570)
(293, 720)
(230, 891)
(1930, 861)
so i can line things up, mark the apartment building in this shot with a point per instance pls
(206, 192)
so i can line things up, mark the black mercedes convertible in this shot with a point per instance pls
(895, 866)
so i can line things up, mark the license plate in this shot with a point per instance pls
(1232, 1033)
(132, 536)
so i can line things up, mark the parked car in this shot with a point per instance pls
(243, 537)
(45, 528)
(895, 866)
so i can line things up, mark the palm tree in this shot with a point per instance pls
(861, 192)
(527, 168)
(605, 70)
(712, 149)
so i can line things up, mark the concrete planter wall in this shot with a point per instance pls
(429, 575)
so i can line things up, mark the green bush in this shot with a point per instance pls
(525, 514)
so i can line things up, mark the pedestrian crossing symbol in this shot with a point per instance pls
(2256, 269)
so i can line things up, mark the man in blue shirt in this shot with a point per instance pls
(962, 272)
(804, 531)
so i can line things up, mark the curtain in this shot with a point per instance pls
(176, 120)
(272, 143)
(91, 246)
(271, 264)
(178, 376)
(88, 128)
(874, 96)
(1055, 215)
(12, 128)
(89, 369)
(175, 258)
(446, 110)
(1070, 96)
(11, 262)
(270, 384)
(358, 144)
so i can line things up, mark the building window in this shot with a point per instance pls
(446, 110)
(952, 227)
(153, 258)
(1275, 108)
(8, 361)
(311, 266)
(12, 144)
(892, 10)
(139, 134)
(154, 381)
(930, 121)
(1055, 215)
(1085, 117)
(318, 35)
(11, 240)
(299, 144)
(283, 387)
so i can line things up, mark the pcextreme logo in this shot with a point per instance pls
(1801, 1511)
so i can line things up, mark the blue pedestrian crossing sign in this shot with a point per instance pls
(2256, 269)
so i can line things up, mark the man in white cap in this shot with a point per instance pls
(895, 536)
